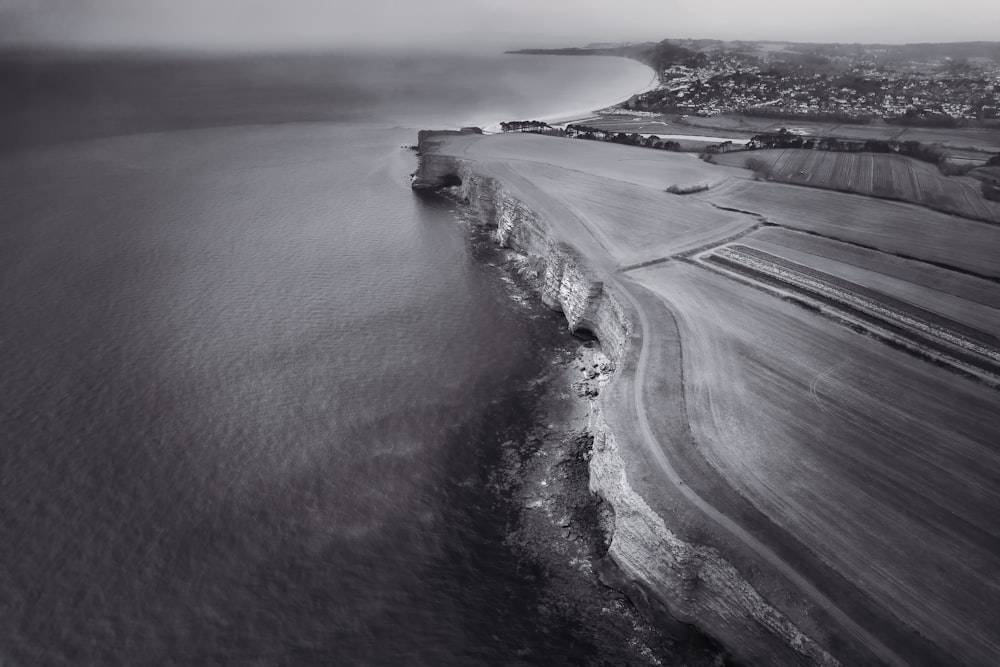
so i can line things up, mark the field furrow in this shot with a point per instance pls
(909, 282)
(821, 172)
(883, 465)
(884, 182)
(883, 175)
(864, 170)
(969, 346)
(893, 227)
(973, 200)
(958, 286)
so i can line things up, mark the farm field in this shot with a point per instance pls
(974, 138)
(851, 446)
(963, 298)
(748, 125)
(965, 347)
(893, 227)
(635, 223)
(877, 174)
(977, 139)
(616, 193)
(646, 167)
(804, 127)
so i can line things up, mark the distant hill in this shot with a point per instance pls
(658, 55)
(683, 51)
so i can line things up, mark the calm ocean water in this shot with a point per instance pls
(252, 387)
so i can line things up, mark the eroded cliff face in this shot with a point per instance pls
(662, 573)
(568, 285)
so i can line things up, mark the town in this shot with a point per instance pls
(920, 85)
(854, 87)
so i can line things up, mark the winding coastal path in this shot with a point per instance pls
(853, 483)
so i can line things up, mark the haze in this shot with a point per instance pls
(259, 24)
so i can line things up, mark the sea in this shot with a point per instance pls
(252, 389)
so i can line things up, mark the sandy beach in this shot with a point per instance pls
(621, 93)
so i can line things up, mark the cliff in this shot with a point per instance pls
(669, 562)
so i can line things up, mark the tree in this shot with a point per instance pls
(761, 169)
(878, 146)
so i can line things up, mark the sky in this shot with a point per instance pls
(488, 24)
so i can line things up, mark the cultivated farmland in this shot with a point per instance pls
(652, 168)
(617, 193)
(972, 301)
(884, 466)
(984, 142)
(961, 345)
(877, 174)
(633, 223)
(893, 227)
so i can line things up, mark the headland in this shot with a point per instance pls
(798, 434)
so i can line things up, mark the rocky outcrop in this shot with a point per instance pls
(675, 580)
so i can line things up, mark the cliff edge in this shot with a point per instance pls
(689, 545)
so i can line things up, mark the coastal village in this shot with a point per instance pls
(854, 87)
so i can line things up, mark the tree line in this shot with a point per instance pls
(628, 139)
(591, 133)
(524, 126)
(786, 139)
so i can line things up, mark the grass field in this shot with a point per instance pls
(614, 194)
(893, 227)
(955, 343)
(976, 139)
(804, 127)
(635, 223)
(877, 174)
(646, 167)
(744, 124)
(960, 297)
(885, 467)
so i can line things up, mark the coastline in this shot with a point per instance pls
(653, 564)
(492, 125)
(563, 527)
